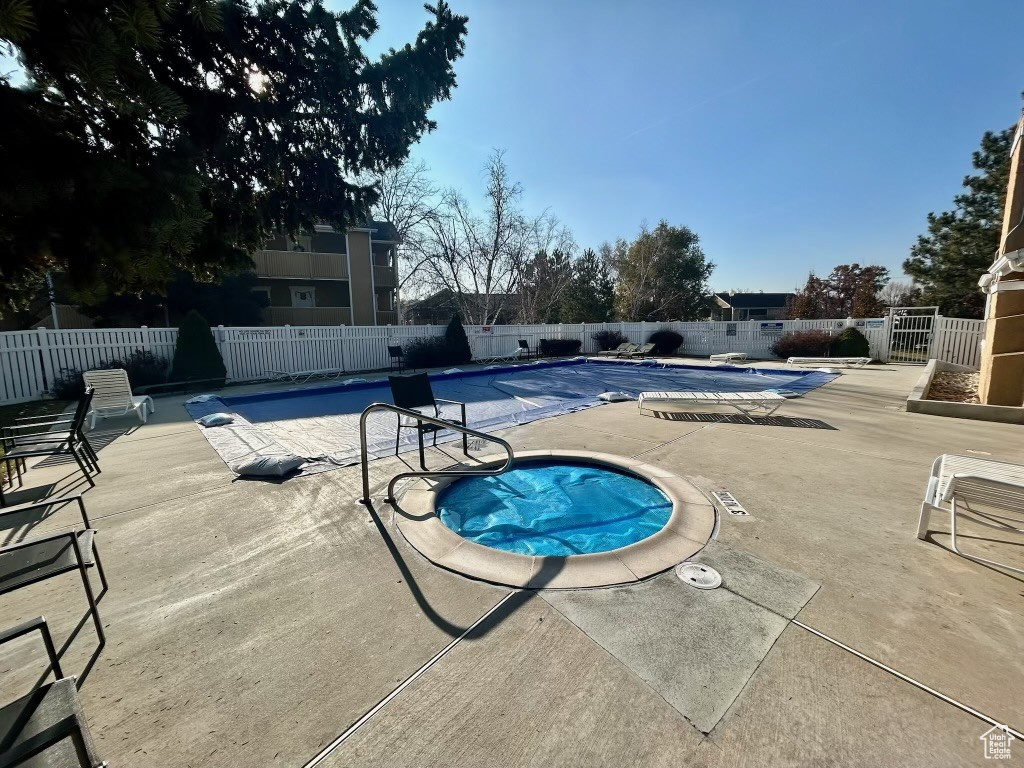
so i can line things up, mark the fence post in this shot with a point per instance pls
(49, 375)
(145, 338)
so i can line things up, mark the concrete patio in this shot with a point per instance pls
(253, 623)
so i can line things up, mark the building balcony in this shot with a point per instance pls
(387, 318)
(384, 277)
(307, 316)
(303, 265)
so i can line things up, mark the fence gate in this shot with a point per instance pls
(911, 332)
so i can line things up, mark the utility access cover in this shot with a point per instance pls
(728, 501)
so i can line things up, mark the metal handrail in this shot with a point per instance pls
(364, 457)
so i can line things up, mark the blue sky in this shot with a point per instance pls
(790, 136)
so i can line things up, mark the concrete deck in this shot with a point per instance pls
(253, 623)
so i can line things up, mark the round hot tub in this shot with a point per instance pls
(558, 519)
(555, 507)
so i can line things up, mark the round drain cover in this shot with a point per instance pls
(699, 576)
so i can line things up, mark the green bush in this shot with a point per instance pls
(850, 343)
(458, 345)
(802, 344)
(560, 347)
(427, 352)
(196, 356)
(665, 341)
(609, 339)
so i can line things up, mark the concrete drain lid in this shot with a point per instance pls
(699, 576)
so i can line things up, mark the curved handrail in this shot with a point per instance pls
(364, 459)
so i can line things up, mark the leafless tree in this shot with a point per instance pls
(481, 258)
(408, 199)
(548, 273)
(899, 293)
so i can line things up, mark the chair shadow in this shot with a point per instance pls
(66, 645)
(930, 537)
(71, 483)
(550, 567)
(97, 439)
(727, 418)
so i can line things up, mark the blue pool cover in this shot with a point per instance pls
(554, 508)
(321, 423)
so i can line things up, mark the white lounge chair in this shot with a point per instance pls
(745, 402)
(849, 362)
(729, 357)
(519, 354)
(113, 396)
(960, 483)
(301, 377)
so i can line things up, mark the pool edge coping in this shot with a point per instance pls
(689, 528)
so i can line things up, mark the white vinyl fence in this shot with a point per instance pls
(30, 361)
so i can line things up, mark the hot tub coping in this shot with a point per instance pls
(688, 529)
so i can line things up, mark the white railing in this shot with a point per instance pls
(31, 361)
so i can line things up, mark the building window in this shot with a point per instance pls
(303, 296)
(263, 290)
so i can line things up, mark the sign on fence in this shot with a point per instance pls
(30, 361)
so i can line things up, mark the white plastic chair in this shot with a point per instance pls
(114, 396)
(959, 483)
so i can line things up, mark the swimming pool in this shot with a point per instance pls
(555, 508)
(321, 423)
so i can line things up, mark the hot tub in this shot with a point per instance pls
(558, 519)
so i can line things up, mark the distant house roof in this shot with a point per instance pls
(445, 299)
(753, 300)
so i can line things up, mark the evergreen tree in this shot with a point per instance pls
(590, 296)
(457, 342)
(182, 133)
(962, 243)
(196, 356)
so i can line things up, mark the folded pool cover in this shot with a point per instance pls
(321, 423)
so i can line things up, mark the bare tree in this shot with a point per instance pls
(481, 259)
(547, 275)
(408, 199)
(899, 293)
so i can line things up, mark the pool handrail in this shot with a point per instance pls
(364, 462)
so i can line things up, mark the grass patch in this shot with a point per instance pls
(8, 413)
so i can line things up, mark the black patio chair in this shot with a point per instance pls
(526, 351)
(397, 358)
(46, 727)
(414, 393)
(37, 559)
(64, 437)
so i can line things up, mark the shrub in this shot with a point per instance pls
(560, 347)
(802, 344)
(458, 345)
(196, 355)
(68, 385)
(665, 342)
(609, 339)
(427, 352)
(143, 368)
(850, 343)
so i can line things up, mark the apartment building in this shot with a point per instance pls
(330, 278)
